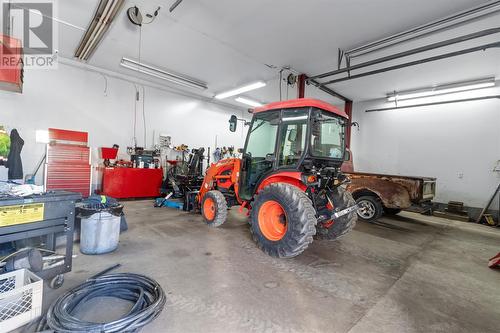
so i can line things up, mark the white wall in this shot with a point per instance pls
(74, 99)
(458, 143)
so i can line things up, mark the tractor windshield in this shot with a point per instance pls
(327, 135)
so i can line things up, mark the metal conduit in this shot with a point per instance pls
(428, 28)
(425, 48)
(417, 62)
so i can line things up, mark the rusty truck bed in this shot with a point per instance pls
(394, 191)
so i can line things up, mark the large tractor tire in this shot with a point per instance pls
(282, 220)
(370, 208)
(332, 230)
(214, 208)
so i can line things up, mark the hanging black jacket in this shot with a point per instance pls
(14, 162)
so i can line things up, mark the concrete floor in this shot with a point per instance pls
(409, 273)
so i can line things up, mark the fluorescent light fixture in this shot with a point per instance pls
(163, 74)
(247, 101)
(103, 17)
(241, 90)
(442, 90)
(295, 118)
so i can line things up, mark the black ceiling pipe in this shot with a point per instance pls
(456, 19)
(425, 48)
(329, 91)
(417, 62)
(175, 4)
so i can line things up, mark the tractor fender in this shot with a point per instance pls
(289, 177)
(391, 194)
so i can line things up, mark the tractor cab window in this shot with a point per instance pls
(259, 155)
(327, 135)
(262, 138)
(293, 136)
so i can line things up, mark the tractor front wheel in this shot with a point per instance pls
(214, 208)
(282, 220)
(332, 230)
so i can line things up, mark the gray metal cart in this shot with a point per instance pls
(47, 216)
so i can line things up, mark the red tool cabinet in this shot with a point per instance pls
(68, 162)
(11, 64)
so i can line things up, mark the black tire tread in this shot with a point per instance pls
(220, 208)
(301, 221)
(379, 208)
(344, 224)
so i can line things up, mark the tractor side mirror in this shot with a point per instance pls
(347, 155)
(233, 122)
(292, 135)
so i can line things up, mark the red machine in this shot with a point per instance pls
(120, 183)
(120, 180)
(289, 178)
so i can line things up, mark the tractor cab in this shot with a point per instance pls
(298, 135)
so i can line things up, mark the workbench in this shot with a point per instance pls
(46, 216)
(121, 183)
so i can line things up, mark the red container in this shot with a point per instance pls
(121, 183)
(11, 64)
(109, 153)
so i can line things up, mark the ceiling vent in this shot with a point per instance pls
(103, 17)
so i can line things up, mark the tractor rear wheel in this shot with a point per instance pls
(214, 208)
(282, 220)
(332, 230)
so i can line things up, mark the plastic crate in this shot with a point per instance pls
(21, 295)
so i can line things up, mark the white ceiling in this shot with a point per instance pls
(227, 43)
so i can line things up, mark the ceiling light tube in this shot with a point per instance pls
(104, 15)
(442, 90)
(97, 36)
(241, 90)
(247, 101)
(162, 74)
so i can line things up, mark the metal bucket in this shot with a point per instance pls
(99, 233)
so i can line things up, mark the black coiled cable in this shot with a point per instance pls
(146, 294)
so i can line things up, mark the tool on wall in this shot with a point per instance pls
(135, 16)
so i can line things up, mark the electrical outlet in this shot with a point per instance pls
(460, 175)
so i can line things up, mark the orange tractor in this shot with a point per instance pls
(289, 178)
